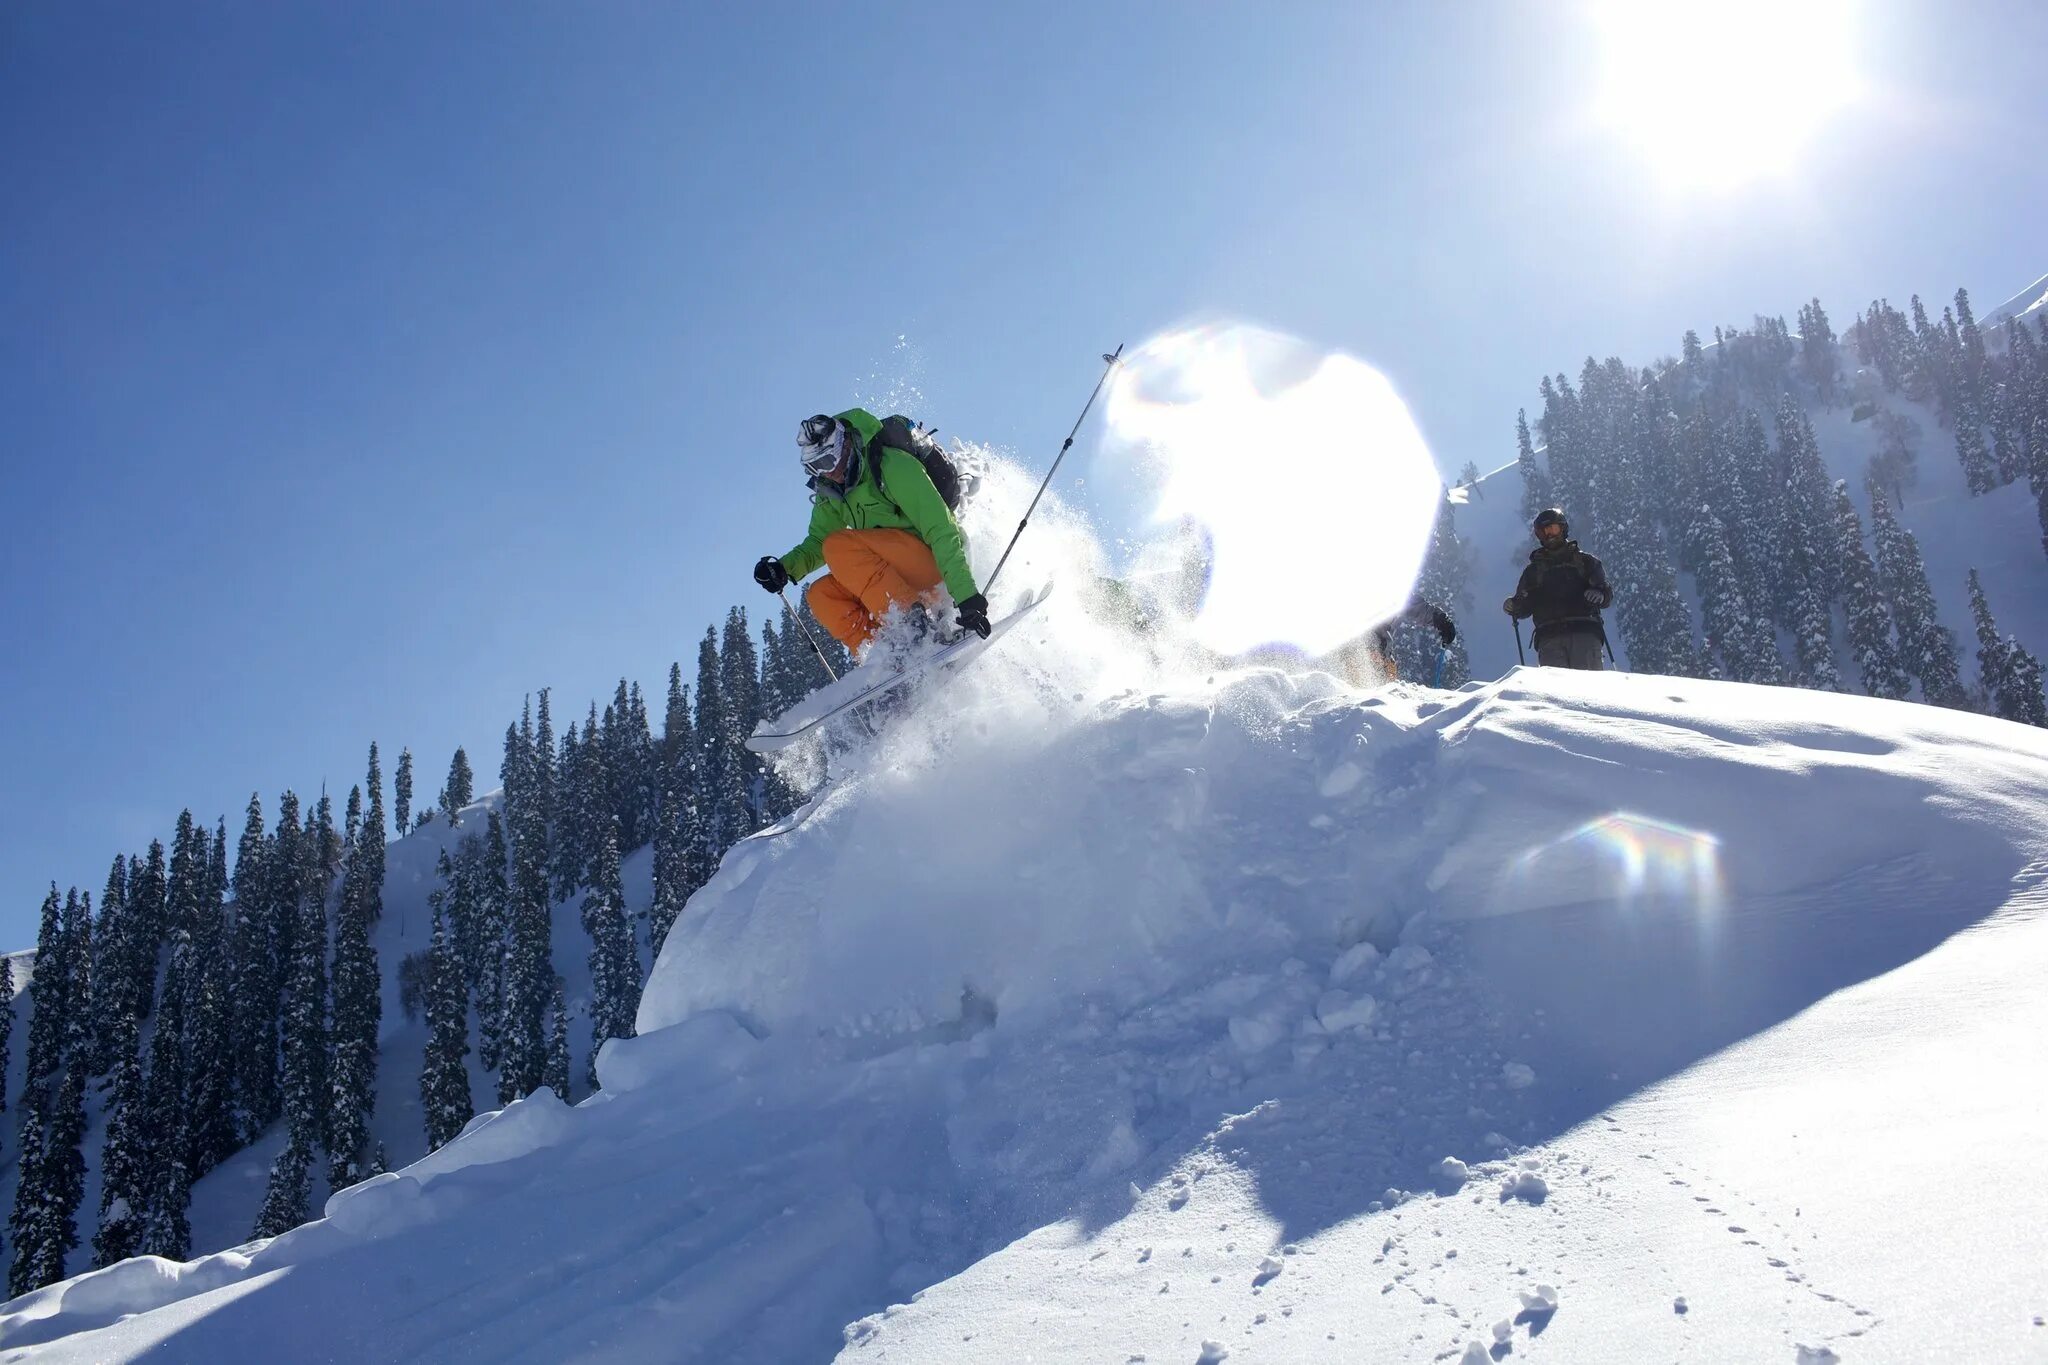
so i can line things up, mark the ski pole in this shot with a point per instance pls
(1520, 657)
(1609, 645)
(808, 638)
(1110, 363)
(1438, 680)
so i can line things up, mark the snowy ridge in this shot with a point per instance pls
(1137, 1023)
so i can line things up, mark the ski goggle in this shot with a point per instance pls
(821, 445)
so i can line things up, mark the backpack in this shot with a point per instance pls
(955, 480)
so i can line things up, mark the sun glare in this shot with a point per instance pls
(1718, 94)
(1301, 471)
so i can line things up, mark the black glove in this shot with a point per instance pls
(973, 615)
(1512, 606)
(1445, 631)
(1596, 597)
(770, 574)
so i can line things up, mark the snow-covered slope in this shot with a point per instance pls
(1139, 1024)
(1998, 533)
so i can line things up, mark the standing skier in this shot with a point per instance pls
(1564, 588)
(881, 527)
(1369, 660)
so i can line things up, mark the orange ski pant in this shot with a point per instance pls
(871, 571)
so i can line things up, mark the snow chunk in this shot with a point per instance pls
(1503, 1329)
(1409, 957)
(1524, 1185)
(1818, 1355)
(1542, 1300)
(699, 1052)
(1343, 779)
(377, 1207)
(1254, 1033)
(1452, 1172)
(1340, 1010)
(525, 1125)
(1213, 1353)
(1355, 961)
(1680, 1306)
(1517, 1076)
(1475, 1354)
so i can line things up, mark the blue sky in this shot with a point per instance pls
(366, 367)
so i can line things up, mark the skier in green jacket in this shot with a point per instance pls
(881, 528)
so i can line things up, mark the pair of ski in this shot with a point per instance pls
(871, 682)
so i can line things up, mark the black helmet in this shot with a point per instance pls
(1551, 516)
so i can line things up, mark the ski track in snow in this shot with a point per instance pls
(1255, 1020)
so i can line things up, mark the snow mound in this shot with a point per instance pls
(1142, 1031)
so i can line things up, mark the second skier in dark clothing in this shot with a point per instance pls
(1564, 589)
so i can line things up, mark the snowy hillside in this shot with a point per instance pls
(1572, 1017)
(1997, 533)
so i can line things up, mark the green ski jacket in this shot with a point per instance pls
(910, 503)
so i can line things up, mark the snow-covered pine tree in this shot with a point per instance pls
(614, 962)
(1739, 634)
(444, 1077)
(256, 982)
(358, 1008)
(304, 1044)
(459, 789)
(1978, 471)
(643, 766)
(148, 882)
(1655, 625)
(325, 845)
(713, 817)
(675, 816)
(126, 1160)
(555, 1075)
(1971, 349)
(529, 960)
(209, 1020)
(80, 1047)
(60, 1172)
(493, 911)
(2008, 438)
(286, 1197)
(6, 1023)
(47, 1026)
(1817, 352)
(28, 1223)
(1756, 532)
(1810, 561)
(740, 694)
(1926, 649)
(401, 792)
(2011, 675)
(352, 824)
(541, 776)
(165, 1231)
(112, 977)
(570, 847)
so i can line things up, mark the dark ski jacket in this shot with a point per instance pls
(1553, 590)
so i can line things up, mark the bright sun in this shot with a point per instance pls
(1716, 94)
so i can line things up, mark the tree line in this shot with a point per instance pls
(205, 1006)
(1706, 464)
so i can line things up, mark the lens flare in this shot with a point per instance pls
(1629, 858)
(1302, 471)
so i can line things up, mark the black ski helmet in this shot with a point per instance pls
(1551, 516)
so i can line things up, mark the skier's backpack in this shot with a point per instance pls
(955, 480)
